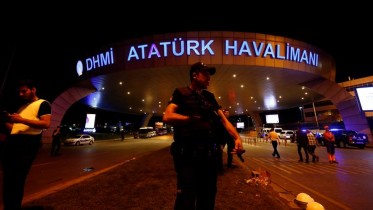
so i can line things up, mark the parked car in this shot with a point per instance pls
(147, 132)
(80, 139)
(344, 138)
(161, 131)
(287, 134)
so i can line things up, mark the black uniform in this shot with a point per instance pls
(56, 142)
(302, 143)
(194, 150)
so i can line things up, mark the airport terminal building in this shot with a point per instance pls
(255, 73)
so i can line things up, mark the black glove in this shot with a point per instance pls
(239, 153)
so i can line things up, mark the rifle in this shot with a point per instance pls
(212, 114)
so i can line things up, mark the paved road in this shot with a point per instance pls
(346, 185)
(77, 163)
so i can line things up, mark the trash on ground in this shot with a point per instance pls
(88, 169)
(259, 177)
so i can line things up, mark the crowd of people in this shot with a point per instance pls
(307, 143)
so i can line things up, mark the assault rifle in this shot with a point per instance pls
(212, 114)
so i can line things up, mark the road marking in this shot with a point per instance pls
(338, 204)
(290, 166)
(292, 169)
(69, 183)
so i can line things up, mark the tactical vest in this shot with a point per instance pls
(191, 105)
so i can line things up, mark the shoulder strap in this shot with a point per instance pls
(185, 91)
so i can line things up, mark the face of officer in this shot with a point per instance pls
(202, 79)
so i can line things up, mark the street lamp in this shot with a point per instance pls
(301, 113)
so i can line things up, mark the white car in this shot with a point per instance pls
(80, 139)
(287, 134)
(147, 132)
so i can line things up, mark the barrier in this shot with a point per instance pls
(250, 140)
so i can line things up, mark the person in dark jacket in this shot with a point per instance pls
(225, 139)
(194, 112)
(302, 143)
(56, 141)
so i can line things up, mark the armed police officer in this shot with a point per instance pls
(194, 111)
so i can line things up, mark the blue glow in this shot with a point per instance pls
(93, 99)
(79, 67)
(179, 47)
(100, 60)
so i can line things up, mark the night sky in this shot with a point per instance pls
(44, 43)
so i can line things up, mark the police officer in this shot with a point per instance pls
(192, 111)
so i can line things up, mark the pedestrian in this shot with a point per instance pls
(312, 143)
(23, 143)
(330, 144)
(122, 134)
(275, 140)
(302, 143)
(56, 141)
(223, 139)
(229, 142)
(193, 111)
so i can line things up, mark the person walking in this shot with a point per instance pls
(122, 134)
(330, 144)
(275, 140)
(311, 147)
(229, 142)
(194, 111)
(223, 139)
(56, 141)
(23, 142)
(302, 143)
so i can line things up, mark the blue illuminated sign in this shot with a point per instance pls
(179, 47)
(99, 60)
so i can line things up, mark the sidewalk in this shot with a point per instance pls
(149, 183)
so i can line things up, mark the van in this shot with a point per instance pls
(344, 138)
(287, 134)
(278, 130)
(147, 132)
(265, 131)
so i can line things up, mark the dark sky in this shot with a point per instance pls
(46, 43)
